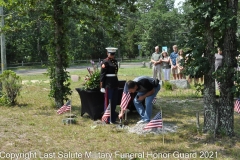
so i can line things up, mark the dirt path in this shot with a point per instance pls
(73, 68)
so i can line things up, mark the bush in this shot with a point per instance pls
(199, 88)
(11, 85)
(4, 99)
(168, 86)
(92, 81)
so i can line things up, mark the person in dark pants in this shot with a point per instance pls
(109, 81)
(146, 88)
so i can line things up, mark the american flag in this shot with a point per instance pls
(237, 106)
(66, 107)
(154, 100)
(106, 114)
(126, 97)
(156, 122)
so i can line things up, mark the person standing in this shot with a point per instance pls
(218, 65)
(109, 81)
(146, 88)
(218, 59)
(156, 61)
(166, 66)
(173, 57)
(179, 63)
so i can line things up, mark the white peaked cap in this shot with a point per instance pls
(111, 49)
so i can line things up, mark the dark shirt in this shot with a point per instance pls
(145, 84)
(109, 66)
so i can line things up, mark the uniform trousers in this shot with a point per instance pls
(111, 94)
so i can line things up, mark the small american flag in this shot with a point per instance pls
(126, 97)
(66, 107)
(106, 114)
(156, 122)
(237, 106)
(154, 100)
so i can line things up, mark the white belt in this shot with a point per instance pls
(111, 75)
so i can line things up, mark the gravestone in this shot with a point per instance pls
(180, 83)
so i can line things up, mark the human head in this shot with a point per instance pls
(180, 52)
(111, 51)
(132, 86)
(165, 54)
(219, 50)
(175, 48)
(157, 49)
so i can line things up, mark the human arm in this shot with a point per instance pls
(103, 75)
(148, 85)
(126, 97)
(120, 115)
(166, 60)
(149, 93)
(159, 61)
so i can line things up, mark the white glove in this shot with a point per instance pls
(102, 90)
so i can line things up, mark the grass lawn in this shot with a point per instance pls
(32, 129)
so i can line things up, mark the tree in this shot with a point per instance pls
(159, 24)
(56, 14)
(214, 25)
(59, 57)
(225, 117)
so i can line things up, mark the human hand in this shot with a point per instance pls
(120, 115)
(140, 98)
(102, 90)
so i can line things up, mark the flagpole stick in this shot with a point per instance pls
(125, 115)
(162, 125)
(71, 110)
(110, 121)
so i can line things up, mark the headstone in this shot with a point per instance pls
(75, 78)
(180, 83)
(144, 64)
(150, 64)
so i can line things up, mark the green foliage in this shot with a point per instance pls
(11, 85)
(158, 24)
(167, 86)
(4, 99)
(92, 81)
(199, 88)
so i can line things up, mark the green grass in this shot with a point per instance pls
(34, 126)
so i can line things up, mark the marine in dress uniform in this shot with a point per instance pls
(109, 81)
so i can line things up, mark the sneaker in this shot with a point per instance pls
(140, 122)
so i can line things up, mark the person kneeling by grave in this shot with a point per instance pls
(146, 88)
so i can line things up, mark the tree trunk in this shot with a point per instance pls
(226, 119)
(58, 72)
(209, 81)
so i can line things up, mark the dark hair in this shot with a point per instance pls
(131, 84)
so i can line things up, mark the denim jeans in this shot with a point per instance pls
(145, 113)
